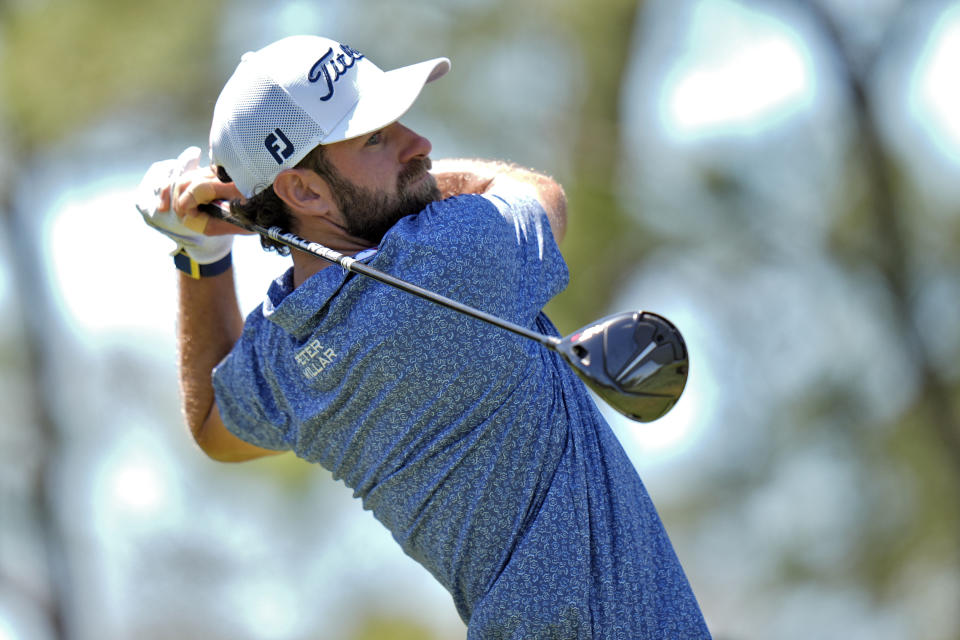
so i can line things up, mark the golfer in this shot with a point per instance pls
(480, 451)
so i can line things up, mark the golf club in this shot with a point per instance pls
(636, 361)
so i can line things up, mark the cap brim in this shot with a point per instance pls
(387, 100)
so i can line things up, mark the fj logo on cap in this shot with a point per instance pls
(273, 146)
(339, 65)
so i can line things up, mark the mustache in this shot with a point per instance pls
(414, 170)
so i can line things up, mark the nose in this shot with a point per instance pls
(413, 145)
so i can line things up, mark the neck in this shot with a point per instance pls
(305, 264)
(322, 230)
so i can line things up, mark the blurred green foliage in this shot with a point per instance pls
(391, 628)
(67, 62)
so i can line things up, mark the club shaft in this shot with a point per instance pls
(220, 209)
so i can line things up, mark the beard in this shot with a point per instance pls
(370, 213)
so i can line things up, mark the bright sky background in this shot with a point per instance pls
(934, 98)
(741, 72)
(147, 279)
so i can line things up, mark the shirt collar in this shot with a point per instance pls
(296, 310)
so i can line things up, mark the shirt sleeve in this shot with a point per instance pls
(245, 396)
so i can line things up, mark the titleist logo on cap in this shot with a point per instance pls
(339, 65)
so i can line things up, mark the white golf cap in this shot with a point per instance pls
(299, 92)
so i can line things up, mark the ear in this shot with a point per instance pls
(304, 192)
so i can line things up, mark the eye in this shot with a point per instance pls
(375, 138)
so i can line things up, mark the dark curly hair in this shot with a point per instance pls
(266, 209)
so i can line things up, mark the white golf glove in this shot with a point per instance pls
(187, 233)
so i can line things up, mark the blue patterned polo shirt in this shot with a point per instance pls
(479, 450)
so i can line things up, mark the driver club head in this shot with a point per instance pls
(636, 361)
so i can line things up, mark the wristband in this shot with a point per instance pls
(195, 270)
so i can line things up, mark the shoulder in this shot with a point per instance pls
(535, 193)
(515, 200)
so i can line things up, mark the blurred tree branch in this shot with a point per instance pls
(891, 250)
(603, 242)
(882, 236)
(34, 309)
(63, 65)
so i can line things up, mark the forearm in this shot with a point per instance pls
(458, 176)
(209, 325)
(208, 317)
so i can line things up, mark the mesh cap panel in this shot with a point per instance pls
(265, 125)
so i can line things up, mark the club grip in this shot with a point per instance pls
(219, 209)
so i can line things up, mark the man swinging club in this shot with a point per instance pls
(480, 451)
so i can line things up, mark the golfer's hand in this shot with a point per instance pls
(182, 184)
